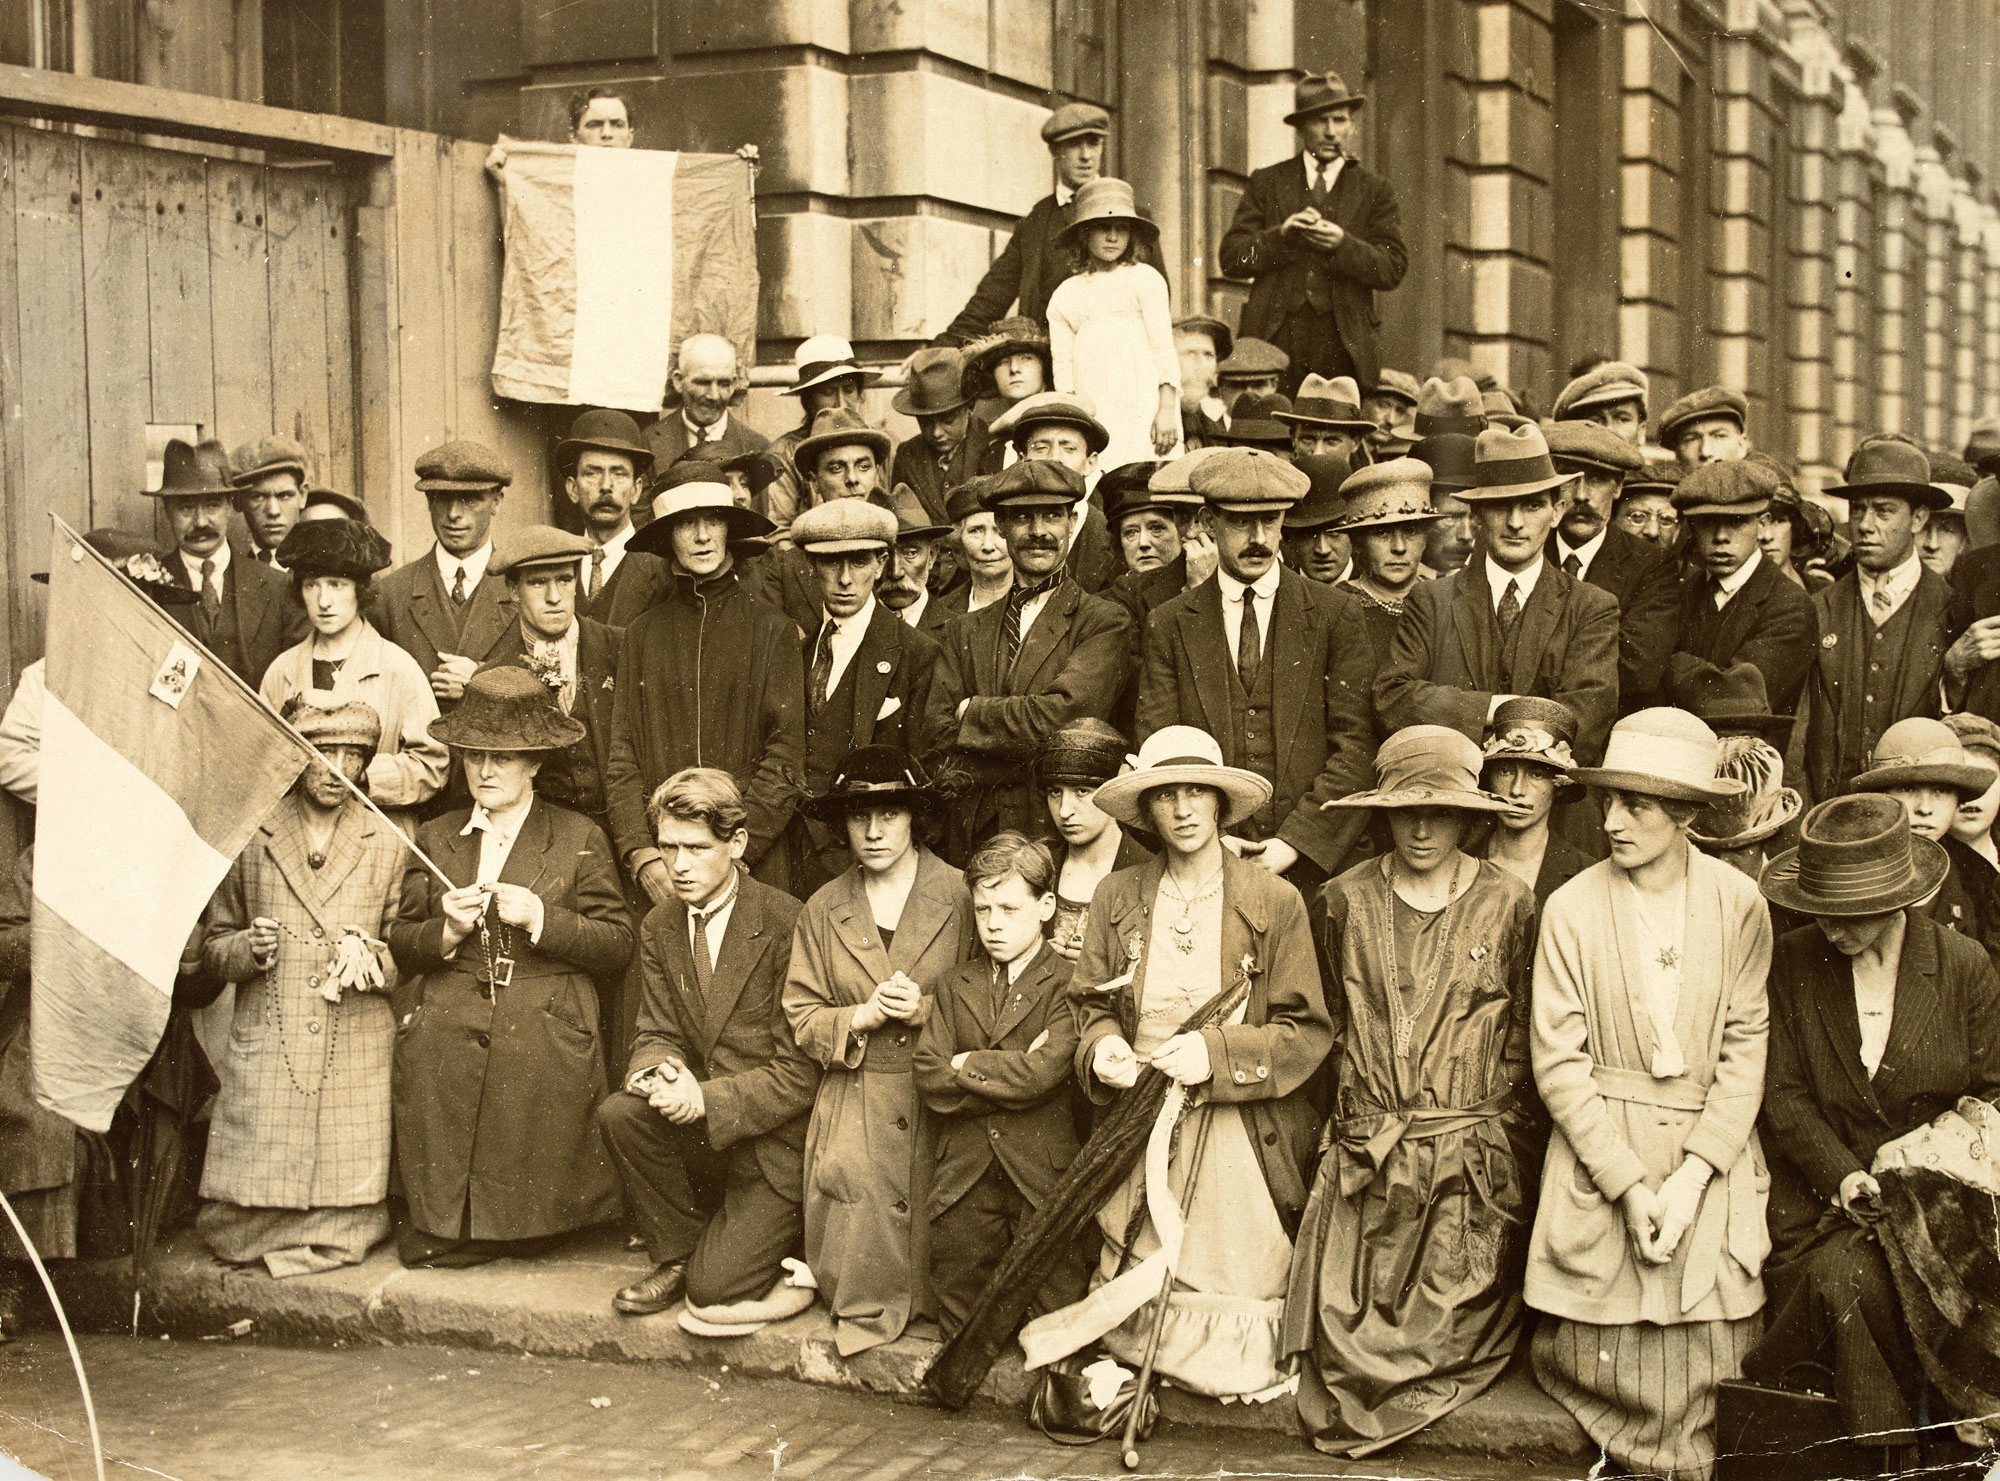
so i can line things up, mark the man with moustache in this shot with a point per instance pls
(1509, 622)
(244, 613)
(1018, 669)
(828, 378)
(1589, 547)
(1613, 395)
(708, 380)
(270, 480)
(951, 441)
(905, 585)
(1741, 608)
(1315, 531)
(1063, 428)
(1267, 663)
(605, 467)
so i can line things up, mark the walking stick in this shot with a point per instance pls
(1130, 1445)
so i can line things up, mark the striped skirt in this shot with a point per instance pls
(1644, 1393)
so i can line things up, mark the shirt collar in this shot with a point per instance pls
(1897, 581)
(503, 826)
(1743, 574)
(858, 623)
(913, 615)
(615, 546)
(475, 564)
(1316, 171)
(1064, 195)
(193, 564)
(1586, 552)
(702, 915)
(1498, 576)
(705, 434)
(1265, 586)
(537, 642)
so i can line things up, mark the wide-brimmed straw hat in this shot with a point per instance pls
(699, 494)
(1662, 752)
(1425, 766)
(873, 776)
(1856, 856)
(823, 358)
(1512, 463)
(1176, 755)
(1921, 753)
(1764, 807)
(1397, 492)
(506, 708)
(1106, 201)
(1086, 752)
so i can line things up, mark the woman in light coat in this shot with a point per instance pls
(1648, 1043)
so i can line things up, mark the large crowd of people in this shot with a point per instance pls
(1553, 858)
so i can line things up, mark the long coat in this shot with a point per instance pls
(575, 777)
(268, 617)
(495, 1086)
(1646, 580)
(1839, 740)
(1444, 666)
(868, 1147)
(1616, 1125)
(1075, 660)
(409, 767)
(414, 611)
(1289, 274)
(1769, 622)
(1261, 1064)
(302, 1119)
(1322, 713)
(1028, 270)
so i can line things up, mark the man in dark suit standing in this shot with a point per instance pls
(1269, 664)
(244, 613)
(708, 1132)
(708, 381)
(1741, 608)
(1031, 266)
(605, 471)
(1589, 547)
(443, 608)
(1319, 236)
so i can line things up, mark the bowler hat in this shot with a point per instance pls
(1512, 463)
(1105, 201)
(347, 504)
(1032, 481)
(333, 547)
(1071, 408)
(610, 431)
(193, 471)
(1218, 333)
(1731, 701)
(273, 454)
(1180, 755)
(1662, 752)
(1731, 490)
(1577, 444)
(1891, 466)
(506, 708)
(1425, 766)
(539, 545)
(823, 358)
(913, 521)
(838, 427)
(1921, 753)
(1251, 359)
(136, 557)
(1450, 457)
(1326, 503)
(873, 776)
(325, 719)
(936, 383)
(1450, 406)
(696, 496)
(1254, 421)
(1334, 404)
(1321, 92)
(1397, 492)
(1085, 752)
(841, 526)
(1603, 385)
(1856, 856)
(461, 466)
(1072, 119)
(1708, 401)
(1249, 480)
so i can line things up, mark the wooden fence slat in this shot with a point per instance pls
(339, 469)
(177, 278)
(117, 347)
(422, 293)
(20, 615)
(239, 301)
(55, 419)
(295, 232)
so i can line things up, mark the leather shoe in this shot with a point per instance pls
(656, 1292)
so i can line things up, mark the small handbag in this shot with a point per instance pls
(1765, 1433)
(1062, 1410)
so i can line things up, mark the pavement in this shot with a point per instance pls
(559, 1306)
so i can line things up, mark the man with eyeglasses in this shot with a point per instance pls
(605, 465)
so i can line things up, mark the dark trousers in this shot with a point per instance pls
(714, 1210)
(1310, 338)
(968, 1239)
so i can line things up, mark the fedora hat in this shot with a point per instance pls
(1085, 752)
(1425, 766)
(823, 358)
(913, 521)
(1449, 456)
(1954, 478)
(1731, 701)
(1174, 755)
(1450, 406)
(1071, 408)
(1105, 201)
(1603, 385)
(334, 547)
(1512, 463)
(1921, 753)
(1321, 92)
(139, 562)
(1764, 807)
(1334, 404)
(540, 545)
(1501, 410)
(936, 383)
(1325, 502)
(1219, 334)
(1397, 492)
(1856, 856)
(873, 776)
(193, 471)
(1662, 752)
(1890, 466)
(1254, 421)
(838, 427)
(506, 708)
(610, 431)
(700, 494)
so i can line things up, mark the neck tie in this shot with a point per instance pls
(822, 668)
(596, 574)
(1510, 609)
(1572, 567)
(1014, 630)
(266, 557)
(211, 595)
(458, 587)
(704, 956)
(1249, 647)
(1879, 600)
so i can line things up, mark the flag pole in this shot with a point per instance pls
(231, 676)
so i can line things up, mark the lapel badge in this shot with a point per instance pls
(1479, 953)
(1829, 640)
(883, 666)
(607, 681)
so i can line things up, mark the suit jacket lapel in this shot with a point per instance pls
(1019, 1000)
(284, 838)
(743, 945)
(1741, 613)
(1047, 630)
(430, 607)
(873, 664)
(854, 923)
(251, 598)
(1207, 643)
(926, 912)
(1922, 639)
(1473, 623)
(488, 613)
(528, 863)
(1917, 1006)
(1833, 1001)
(1538, 624)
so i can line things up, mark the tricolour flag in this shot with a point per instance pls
(614, 256)
(157, 766)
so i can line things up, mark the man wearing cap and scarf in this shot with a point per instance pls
(441, 608)
(244, 612)
(1063, 427)
(1613, 395)
(951, 444)
(828, 378)
(710, 677)
(1032, 264)
(707, 380)
(1510, 621)
(1018, 669)
(1265, 661)
(1707, 426)
(1319, 237)
(1882, 625)
(1741, 607)
(1645, 580)
(605, 471)
(270, 480)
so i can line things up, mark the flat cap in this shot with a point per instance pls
(1603, 385)
(841, 525)
(1709, 401)
(347, 504)
(1169, 481)
(1976, 733)
(1249, 480)
(333, 547)
(1253, 357)
(1033, 481)
(539, 545)
(1397, 383)
(1655, 478)
(1587, 445)
(1072, 119)
(272, 454)
(462, 466)
(1733, 489)
(1071, 408)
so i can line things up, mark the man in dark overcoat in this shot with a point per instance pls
(244, 613)
(951, 444)
(1272, 665)
(1319, 237)
(708, 1132)
(1018, 669)
(606, 468)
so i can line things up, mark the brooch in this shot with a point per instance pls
(1829, 640)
